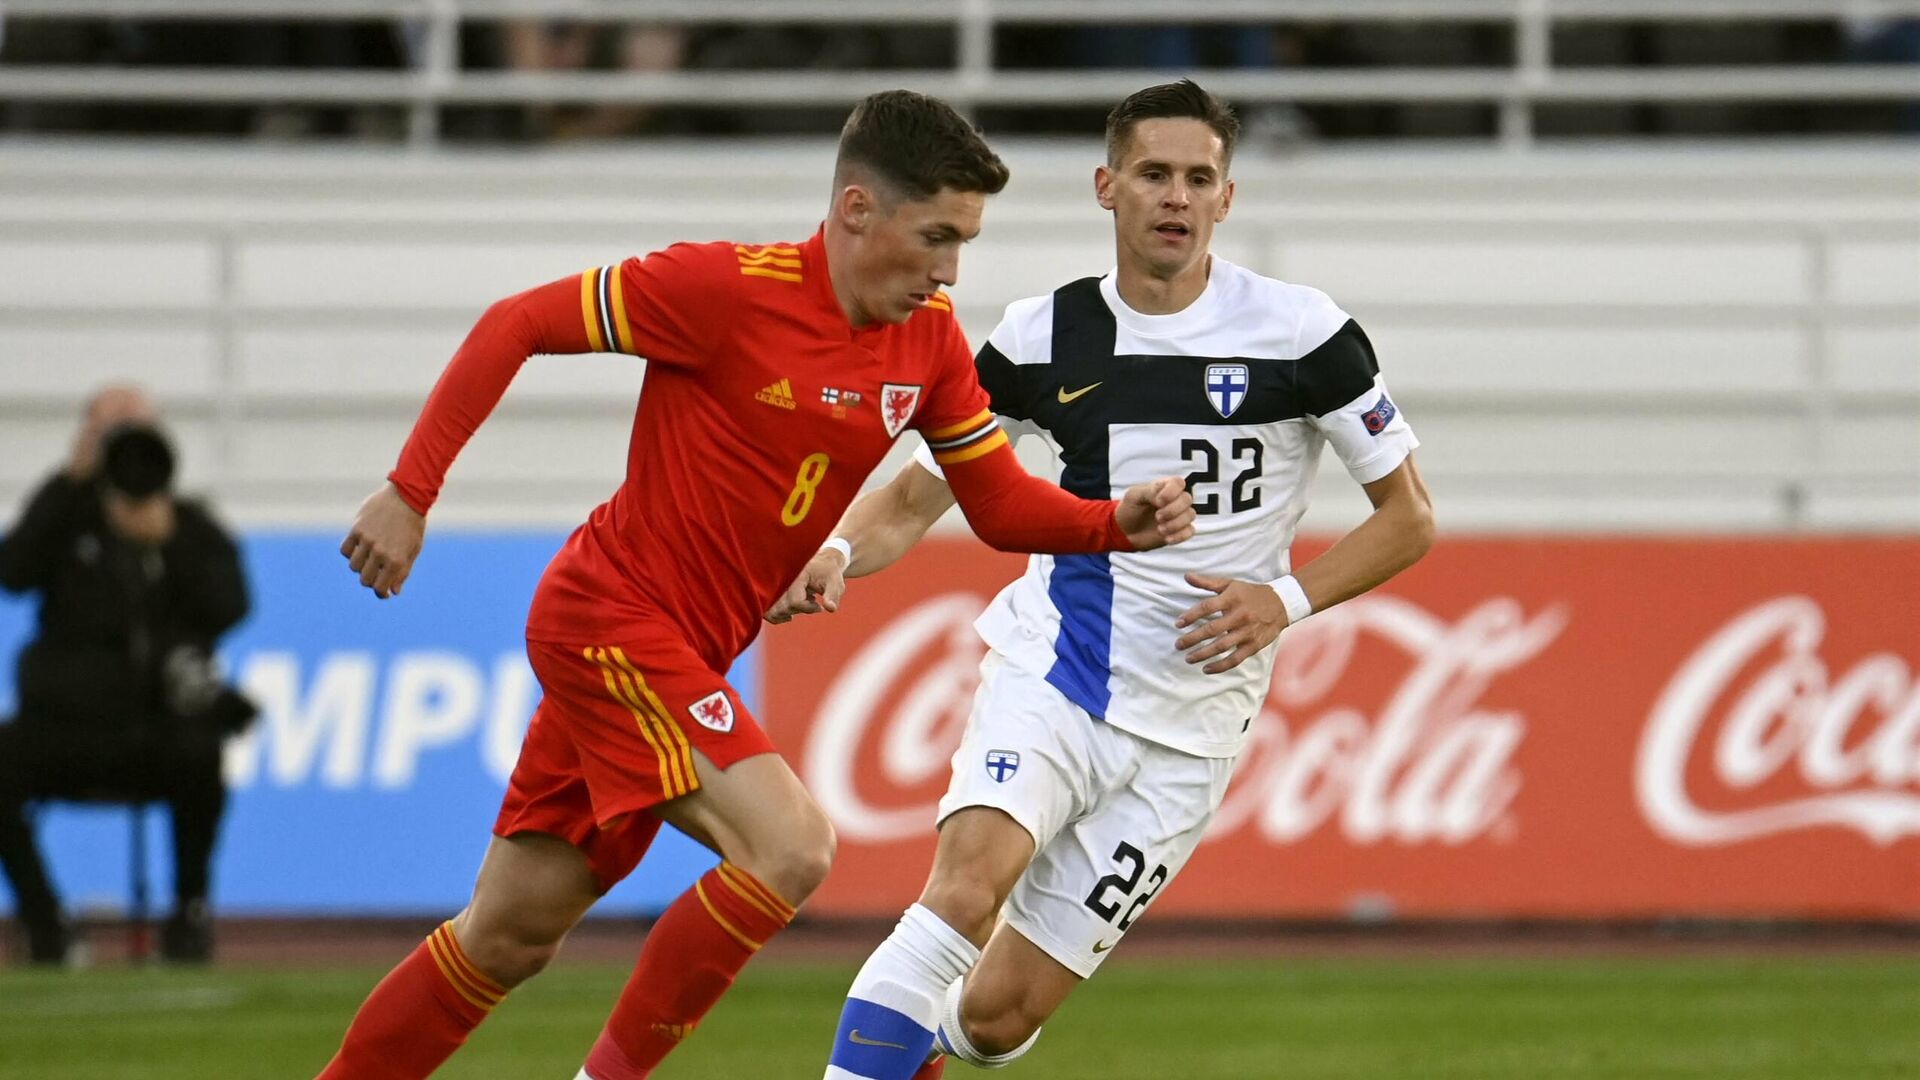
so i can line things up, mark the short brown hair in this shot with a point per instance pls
(1175, 100)
(918, 146)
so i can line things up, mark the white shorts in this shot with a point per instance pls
(1113, 816)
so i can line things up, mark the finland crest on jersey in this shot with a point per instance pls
(1238, 393)
(1226, 387)
(1002, 764)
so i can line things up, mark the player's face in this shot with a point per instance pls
(911, 249)
(1167, 192)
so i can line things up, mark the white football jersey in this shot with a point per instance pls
(1238, 392)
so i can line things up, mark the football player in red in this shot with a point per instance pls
(777, 377)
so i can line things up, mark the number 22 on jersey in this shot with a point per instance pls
(813, 469)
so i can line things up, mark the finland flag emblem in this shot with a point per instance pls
(1002, 764)
(1226, 387)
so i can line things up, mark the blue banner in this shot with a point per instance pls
(386, 735)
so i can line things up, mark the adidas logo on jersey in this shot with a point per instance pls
(778, 394)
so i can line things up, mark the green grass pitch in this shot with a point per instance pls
(1632, 1018)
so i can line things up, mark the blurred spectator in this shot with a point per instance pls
(119, 697)
(1189, 48)
(319, 45)
(570, 46)
(1183, 47)
(1887, 41)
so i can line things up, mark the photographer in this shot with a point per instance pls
(119, 698)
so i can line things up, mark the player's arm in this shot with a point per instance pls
(1348, 404)
(877, 529)
(1394, 537)
(1006, 507)
(664, 307)
(1013, 510)
(391, 524)
(883, 524)
(1243, 617)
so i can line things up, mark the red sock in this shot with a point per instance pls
(690, 958)
(418, 1015)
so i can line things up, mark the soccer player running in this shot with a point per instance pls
(1118, 691)
(777, 377)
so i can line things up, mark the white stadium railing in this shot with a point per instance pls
(1589, 338)
(1592, 340)
(436, 80)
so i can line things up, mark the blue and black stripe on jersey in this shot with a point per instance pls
(1137, 388)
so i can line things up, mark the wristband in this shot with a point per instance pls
(1293, 597)
(842, 545)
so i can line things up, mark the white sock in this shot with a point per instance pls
(952, 1036)
(901, 986)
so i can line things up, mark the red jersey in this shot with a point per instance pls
(762, 413)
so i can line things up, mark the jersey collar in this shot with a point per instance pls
(813, 256)
(1193, 317)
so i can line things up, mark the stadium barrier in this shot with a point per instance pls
(435, 79)
(1569, 728)
(1579, 727)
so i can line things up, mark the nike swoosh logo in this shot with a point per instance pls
(858, 1039)
(1066, 398)
(1103, 946)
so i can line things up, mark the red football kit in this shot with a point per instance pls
(762, 413)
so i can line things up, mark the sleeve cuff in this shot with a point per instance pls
(1384, 462)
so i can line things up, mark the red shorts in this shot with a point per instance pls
(614, 736)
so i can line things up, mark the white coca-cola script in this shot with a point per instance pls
(1792, 716)
(1420, 760)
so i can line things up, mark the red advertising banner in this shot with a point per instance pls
(1513, 728)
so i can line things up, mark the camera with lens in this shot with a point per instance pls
(136, 461)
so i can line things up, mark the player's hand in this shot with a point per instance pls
(1156, 514)
(818, 588)
(385, 539)
(1239, 620)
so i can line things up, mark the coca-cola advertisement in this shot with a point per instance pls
(1568, 727)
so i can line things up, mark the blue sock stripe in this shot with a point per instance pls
(891, 1046)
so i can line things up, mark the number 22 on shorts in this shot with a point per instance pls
(813, 469)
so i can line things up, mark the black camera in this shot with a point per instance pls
(136, 461)
(195, 691)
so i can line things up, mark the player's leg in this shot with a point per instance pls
(1082, 893)
(532, 888)
(886, 1027)
(684, 749)
(776, 846)
(993, 1015)
(1016, 777)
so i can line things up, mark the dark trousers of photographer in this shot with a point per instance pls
(73, 740)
